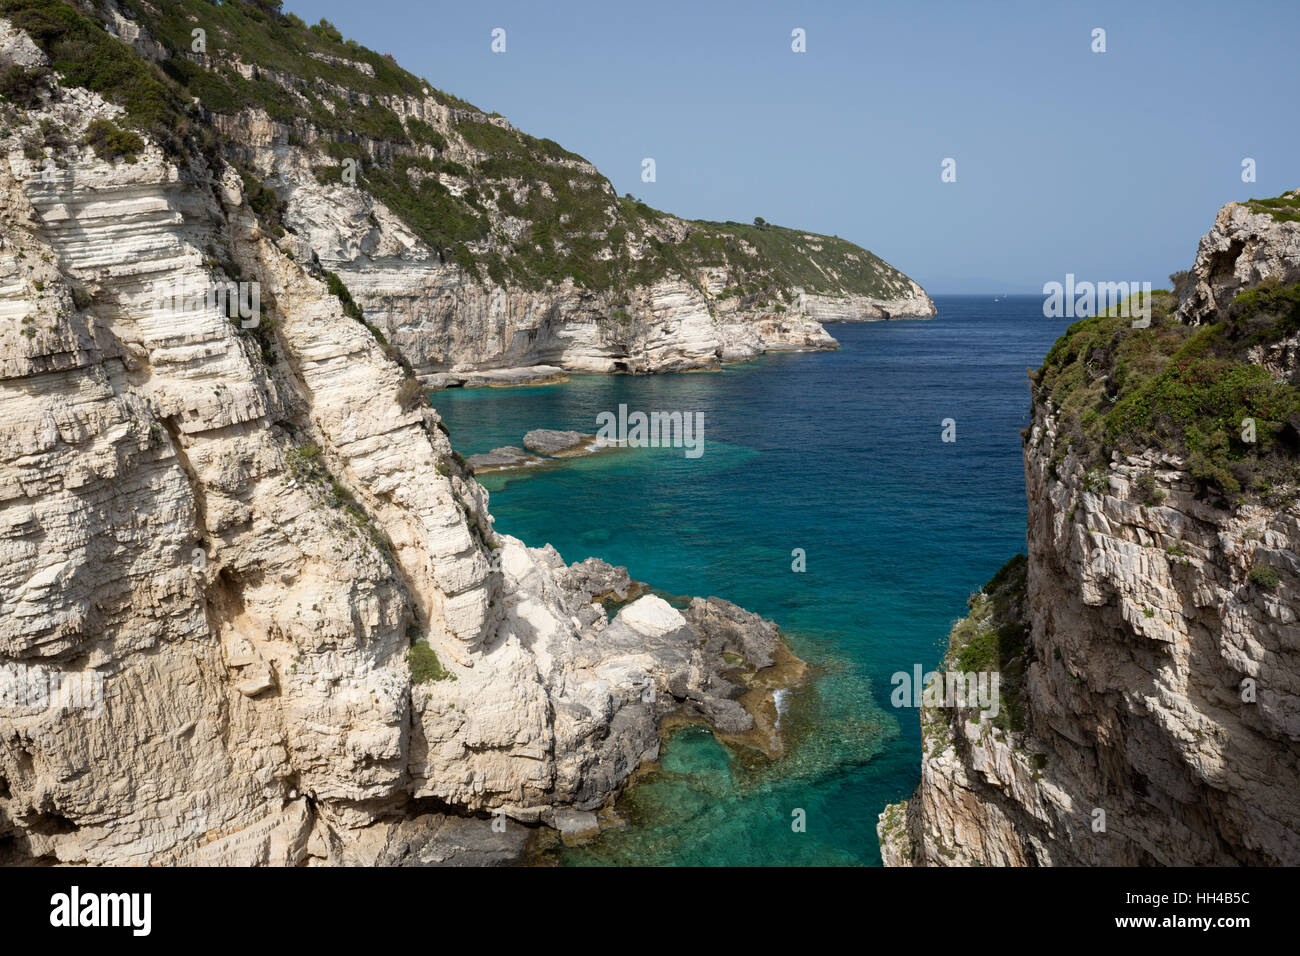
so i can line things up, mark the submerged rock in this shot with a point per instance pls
(539, 442)
(576, 826)
(440, 839)
(548, 441)
(500, 458)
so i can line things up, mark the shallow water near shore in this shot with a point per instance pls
(840, 454)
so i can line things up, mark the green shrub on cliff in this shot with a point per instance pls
(993, 638)
(1265, 577)
(1192, 390)
(425, 666)
(409, 394)
(85, 55)
(1284, 208)
(23, 87)
(112, 143)
(264, 201)
(570, 223)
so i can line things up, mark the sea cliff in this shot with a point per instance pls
(1148, 644)
(253, 608)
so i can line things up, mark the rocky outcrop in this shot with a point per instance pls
(1162, 687)
(1247, 246)
(544, 445)
(911, 303)
(440, 319)
(499, 459)
(550, 441)
(475, 248)
(252, 609)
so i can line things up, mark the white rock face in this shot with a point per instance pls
(225, 540)
(1135, 694)
(441, 317)
(651, 616)
(1164, 688)
(857, 308)
(1241, 250)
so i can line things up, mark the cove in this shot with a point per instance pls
(836, 453)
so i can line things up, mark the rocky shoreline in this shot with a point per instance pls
(469, 377)
(712, 664)
(1156, 721)
(303, 640)
(543, 446)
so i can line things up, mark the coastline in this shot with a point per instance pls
(764, 742)
(488, 375)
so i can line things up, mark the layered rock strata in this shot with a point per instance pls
(252, 610)
(1162, 690)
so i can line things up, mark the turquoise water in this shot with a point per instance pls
(840, 454)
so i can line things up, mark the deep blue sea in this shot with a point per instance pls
(840, 454)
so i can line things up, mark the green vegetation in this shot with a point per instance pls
(425, 666)
(340, 291)
(1265, 577)
(1284, 208)
(87, 56)
(1096, 481)
(409, 394)
(1188, 389)
(262, 334)
(304, 463)
(993, 638)
(779, 259)
(263, 201)
(112, 143)
(307, 466)
(1148, 492)
(328, 95)
(23, 87)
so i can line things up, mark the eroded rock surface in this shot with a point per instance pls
(1162, 692)
(231, 545)
(549, 441)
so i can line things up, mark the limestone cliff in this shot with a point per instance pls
(252, 606)
(469, 244)
(1152, 644)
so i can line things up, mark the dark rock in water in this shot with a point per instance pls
(498, 458)
(727, 628)
(598, 580)
(548, 441)
(437, 839)
(576, 826)
(727, 716)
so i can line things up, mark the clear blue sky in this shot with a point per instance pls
(1110, 166)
